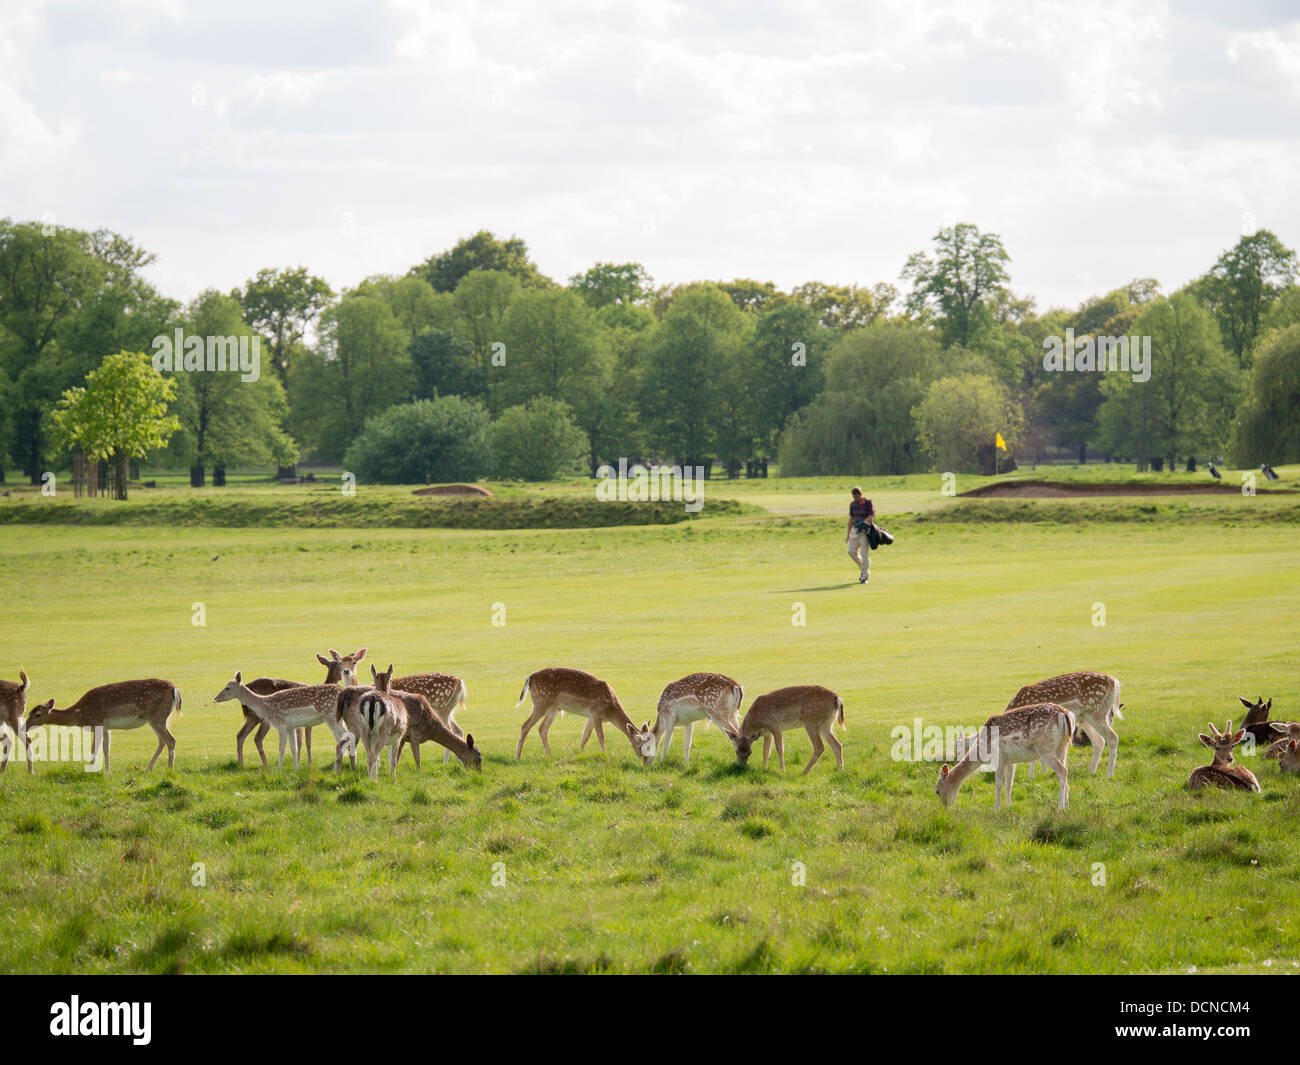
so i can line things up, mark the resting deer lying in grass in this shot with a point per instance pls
(1290, 731)
(445, 694)
(697, 697)
(377, 719)
(557, 689)
(289, 710)
(13, 705)
(1221, 773)
(127, 704)
(1026, 734)
(1092, 697)
(1256, 722)
(1288, 759)
(816, 708)
(339, 670)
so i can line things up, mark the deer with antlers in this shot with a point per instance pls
(340, 670)
(1039, 732)
(13, 705)
(816, 708)
(556, 689)
(289, 710)
(445, 694)
(1092, 697)
(126, 704)
(1221, 772)
(697, 697)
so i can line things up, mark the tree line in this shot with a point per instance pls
(474, 363)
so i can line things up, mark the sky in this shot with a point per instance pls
(787, 142)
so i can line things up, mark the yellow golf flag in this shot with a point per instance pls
(1002, 444)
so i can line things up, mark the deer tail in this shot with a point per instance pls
(839, 704)
(176, 699)
(23, 674)
(523, 694)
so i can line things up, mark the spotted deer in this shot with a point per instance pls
(13, 705)
(1221, 772)
(377, 719)
(1092, 697)
(556, 689)
(1040, 731)
(339, 669)
(289, 710)
(126, 704)
(446, 694)
(424, 723)
(697, 697)
(1290, 731)
(816, 708)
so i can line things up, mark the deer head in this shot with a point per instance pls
(643, 741)
(345, 665)
(1223, 742)
(231, 690)
(39, 714)
(382, 680)
(1256, 712)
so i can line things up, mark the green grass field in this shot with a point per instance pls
(589, 862)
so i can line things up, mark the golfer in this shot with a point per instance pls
(861, 512)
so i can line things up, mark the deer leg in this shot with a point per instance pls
(1111, 738)
(1010, 779)
(818, 747)
(1058, 767)
(6, 744)
(667, 740)
(262, 729)
(544, 731)
(94, 744)
(779, 743)
(451, 724)
(686, 742)
(307, 735)
(586, 735)
(415, 753)
(1098, 744)
(251, 722)
(536, 716)
(165, 739)
(767, 748)
(282, 732)
(837, 748)
(600, 733)
(108, 736)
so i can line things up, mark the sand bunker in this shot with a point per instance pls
(1063, 490)
(453, 490)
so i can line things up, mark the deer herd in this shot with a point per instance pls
(1040, 723)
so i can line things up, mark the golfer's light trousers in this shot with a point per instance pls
(860, 551)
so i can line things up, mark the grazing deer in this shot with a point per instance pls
(377, 719)
(1041, 731)
(697, 697)
(1221, 773)
(816, 708)
(423, 722)
(1256, 722)
(1092, 697)
(446, 694)
(13, 705)
(557, 689)
(289, 710)
(127, 704)
(340, 670)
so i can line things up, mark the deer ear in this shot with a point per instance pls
(372, 671)
(333, 653)
(1290, 746)
(943, 770)
(390, 669)
(360, 654)
(1241, 732)
(469, 740)
(1268, 705)
(323, 660)
(631, 729)
(239, 678)
(1278, 728)
(1206, 740)
(1245, 702)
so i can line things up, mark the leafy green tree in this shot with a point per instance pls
(224, 419)
(750, 295)
(415, 305)
(443, 439)
(845, 307)
(482, 251)
(538, 441)
(862, 422)
(1243, 284)
(120, 413)
(958, 420)
(1186, 405)
(282, 305)
(961, 282)
(444, 365)
(786, 371)
(481, 301)
(1267, 428)
(1284, 312)
(361, 366)
(613, 284)
(684, 371)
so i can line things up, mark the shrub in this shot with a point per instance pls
(443, 439)
(538, 441)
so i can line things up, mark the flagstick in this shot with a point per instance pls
(996, 456)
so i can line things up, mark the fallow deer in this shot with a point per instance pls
(1092, 697)
(126, 704)
(13, 705)
(377, 719)
(697, 697)
(1256, 722)
(1290, 730)
(446, 694)
(289, 710)
(816, 708)
(1221, 772)
(339, 669)
(424, 723)
(557, 689)
(1041, 731)
(1289, 757)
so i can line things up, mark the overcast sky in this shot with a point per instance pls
(784, 141)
